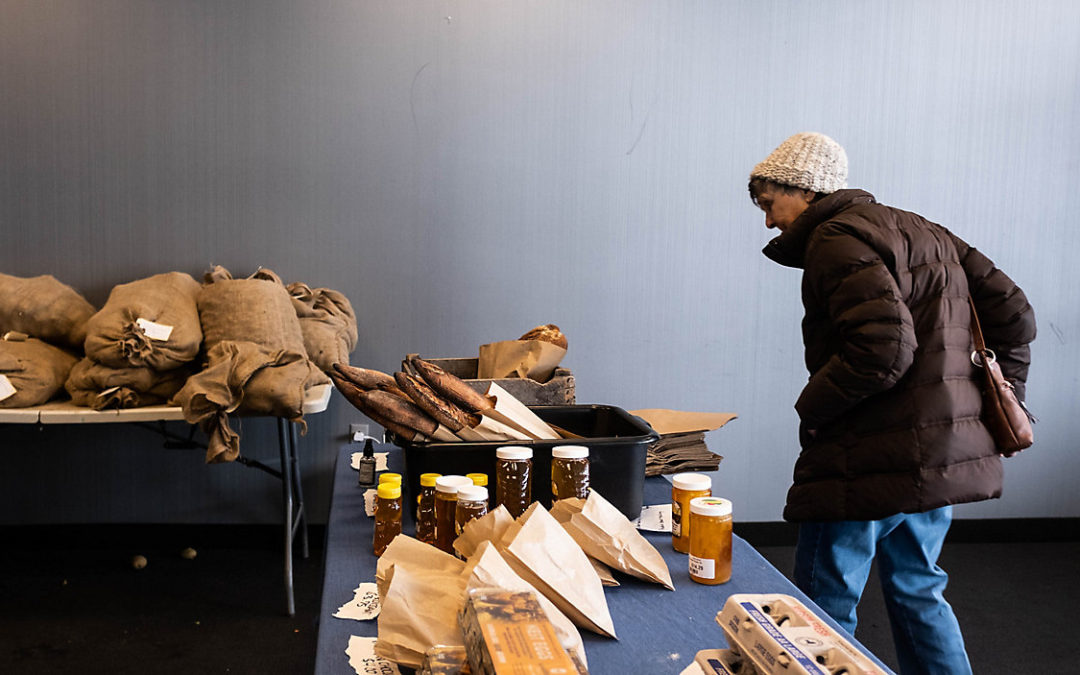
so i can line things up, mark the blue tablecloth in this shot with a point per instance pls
(659, 630)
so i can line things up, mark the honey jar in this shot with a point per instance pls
(710, 540)
(684, 487)
(513, 478)
(446, 489)
(569, 472)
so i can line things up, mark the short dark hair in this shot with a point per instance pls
(758, 185)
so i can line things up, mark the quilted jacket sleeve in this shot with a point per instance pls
(1006, 317)
(876, 335)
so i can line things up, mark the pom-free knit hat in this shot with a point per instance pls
(807, 160)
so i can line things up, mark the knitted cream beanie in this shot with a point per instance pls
(807, 160)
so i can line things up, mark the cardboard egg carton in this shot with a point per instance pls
(777, 634)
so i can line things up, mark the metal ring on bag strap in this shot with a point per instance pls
(979, 362)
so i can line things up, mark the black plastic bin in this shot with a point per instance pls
(617, 443)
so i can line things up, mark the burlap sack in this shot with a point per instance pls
(100, 387)
(152, 322)
(255, 310)
(31, 372)
(327, 322)
(44, 308)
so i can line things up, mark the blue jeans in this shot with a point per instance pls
(832, 563)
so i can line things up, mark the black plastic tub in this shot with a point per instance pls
(617, 443)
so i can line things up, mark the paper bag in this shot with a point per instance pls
(534, 359)
(487, 568)
(512, 412)
(413, 552)
(604, 533)
(562, 511)
(421, 594)
(542, 552)
(489, 527)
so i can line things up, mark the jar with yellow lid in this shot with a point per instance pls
(425, 509)
(387, 516)
(684, 487)
(710, 540)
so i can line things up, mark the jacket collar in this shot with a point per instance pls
(789, 247)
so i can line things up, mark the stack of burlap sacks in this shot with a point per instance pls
(245, 346)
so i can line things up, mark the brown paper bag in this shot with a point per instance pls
(542, 552)
(489, 527)
(562, 511)
(534, 359)
(604, 533)
(487, 568)
(421, 591)
(410, 552)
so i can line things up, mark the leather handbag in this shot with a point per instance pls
(1008, 421)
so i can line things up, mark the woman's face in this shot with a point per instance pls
(782, 208)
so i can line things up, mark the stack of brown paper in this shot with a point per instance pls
(545, 555)
(421, 590)
(488, 527)
(604, 533)
(487, 568)
(682, 444)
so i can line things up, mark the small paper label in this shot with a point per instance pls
(155, 331)
(703, 568)
(361, 653)
(7, 389)
(655, 518)
(369, 502)
(363, 606)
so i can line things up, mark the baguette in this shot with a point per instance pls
(451, 387)
(443, 411)
(368, 379)
(398, 410)
(358, 398)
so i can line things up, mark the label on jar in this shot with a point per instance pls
(676, 519)
(703, 568)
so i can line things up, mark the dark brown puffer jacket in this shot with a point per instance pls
(892, 399)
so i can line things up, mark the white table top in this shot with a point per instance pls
(65, 412)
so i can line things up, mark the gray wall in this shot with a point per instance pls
(466, 170)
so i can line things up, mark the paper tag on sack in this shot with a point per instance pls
(155, 331)
(369, 501)
(361, 653)
(7, 389)
(363, 606)
(380, 461)
(654, 518)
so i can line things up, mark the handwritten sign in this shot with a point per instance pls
(655, 518)
(361, 653)
(364, 605)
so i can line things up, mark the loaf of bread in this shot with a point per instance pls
(547, 333)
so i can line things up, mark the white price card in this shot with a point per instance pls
(7, 389)
(369, 501)
(363, 606)
(155, 331)
(361, 653)
(655, 518)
